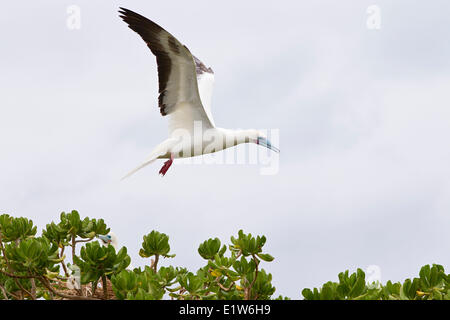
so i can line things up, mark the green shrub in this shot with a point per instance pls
(432, 284)
(35, 267)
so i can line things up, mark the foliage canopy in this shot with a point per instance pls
(36, 267)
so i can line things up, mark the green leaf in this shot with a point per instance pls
(155, 243)
(265, 257)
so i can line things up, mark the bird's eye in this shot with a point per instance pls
(109, 237)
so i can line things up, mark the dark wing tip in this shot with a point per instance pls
(125, 12)
(133, 18)
(151, 33)
(140, 24)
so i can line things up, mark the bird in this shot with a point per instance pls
(185, 92)
(109, 239)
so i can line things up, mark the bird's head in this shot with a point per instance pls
(262, 140)
(108, 239)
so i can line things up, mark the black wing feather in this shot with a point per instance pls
(151, 33)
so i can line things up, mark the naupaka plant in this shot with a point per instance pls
(68, 262)
(432, 284)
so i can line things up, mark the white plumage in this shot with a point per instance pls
(185, 92)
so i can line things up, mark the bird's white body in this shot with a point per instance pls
(203, 142)
(185, 92)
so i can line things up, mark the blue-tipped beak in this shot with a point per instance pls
(266, 143)
(104, 238)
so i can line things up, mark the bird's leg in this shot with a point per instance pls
(166, 166)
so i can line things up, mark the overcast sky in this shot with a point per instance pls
(363, 116)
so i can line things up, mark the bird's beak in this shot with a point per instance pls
(266, 143)
(104, 238)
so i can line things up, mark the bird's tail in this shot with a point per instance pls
(147, 162)
(160, 150)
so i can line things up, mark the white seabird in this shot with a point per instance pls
(185, 91)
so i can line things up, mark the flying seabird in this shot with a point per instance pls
(185, 91)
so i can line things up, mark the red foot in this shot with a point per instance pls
(166, 166)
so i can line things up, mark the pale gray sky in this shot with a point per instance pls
(363, 115)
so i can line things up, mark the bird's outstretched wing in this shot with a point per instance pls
(205, 80)
(179, 94)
